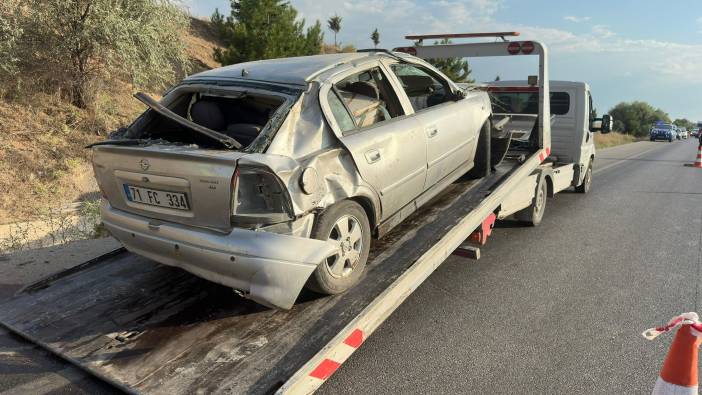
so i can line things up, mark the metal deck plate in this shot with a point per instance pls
(150, 328)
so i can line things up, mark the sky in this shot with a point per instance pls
(625, 49)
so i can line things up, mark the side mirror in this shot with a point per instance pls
(458, 94)
(602, 125)
(607, 122)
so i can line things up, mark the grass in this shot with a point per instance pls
(613, 139)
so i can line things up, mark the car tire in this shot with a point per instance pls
(585, 186)
(347, 223)
(533, 214)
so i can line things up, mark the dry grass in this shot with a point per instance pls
(612, 139)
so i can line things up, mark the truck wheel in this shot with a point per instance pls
(345, 222)
(587, 181)
(533, 214)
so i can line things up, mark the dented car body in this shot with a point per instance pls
(270, 175)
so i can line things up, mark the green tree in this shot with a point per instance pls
(636, 117)
(375, 37)
(10, 32)
(264, 29)
(334, 24)
(455, 68)
(69, 46)
(685, 123)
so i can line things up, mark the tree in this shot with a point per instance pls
(456, 69)
(334, 24)
(375, 37)
(264, 29)
(685, 123)
(636, 117)
(497, 78)
(67, 46)
(10, 32)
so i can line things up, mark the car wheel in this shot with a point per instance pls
(587, 181)
(533, 214)
(347, 224)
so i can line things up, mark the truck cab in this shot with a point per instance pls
(573, 121)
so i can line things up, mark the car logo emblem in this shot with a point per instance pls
(144, 164)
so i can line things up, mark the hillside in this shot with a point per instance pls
(43, 162)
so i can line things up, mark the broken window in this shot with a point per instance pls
(367, 98)
(238, 115)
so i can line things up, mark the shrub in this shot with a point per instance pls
(69, 46)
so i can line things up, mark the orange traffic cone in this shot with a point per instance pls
(679, 373)
(698, 161)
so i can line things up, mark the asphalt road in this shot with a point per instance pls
(558, 308)
(553, 309)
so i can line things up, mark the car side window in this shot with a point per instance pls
(339, 111)
(367, 99)
(423, 89)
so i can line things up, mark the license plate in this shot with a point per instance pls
(153, 197)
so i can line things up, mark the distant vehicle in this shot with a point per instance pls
(683, 133)
(663, 131)
(694, 132)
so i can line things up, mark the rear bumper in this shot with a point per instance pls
(270, 268)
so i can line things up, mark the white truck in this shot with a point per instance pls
(573, 123)
(149, 328)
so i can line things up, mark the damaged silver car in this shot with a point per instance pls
(273, 175)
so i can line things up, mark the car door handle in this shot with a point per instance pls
(432, 131)
(373, 156)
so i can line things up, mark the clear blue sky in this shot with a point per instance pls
(625, 49)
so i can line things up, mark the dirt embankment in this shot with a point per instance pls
(43, 162)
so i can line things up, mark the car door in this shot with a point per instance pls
(447, 123)
(388, 147)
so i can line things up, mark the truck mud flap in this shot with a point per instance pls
(150, 328)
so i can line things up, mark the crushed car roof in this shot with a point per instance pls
(295, 71)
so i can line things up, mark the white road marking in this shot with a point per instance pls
(625, 159)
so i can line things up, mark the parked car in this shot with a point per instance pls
(663, 131)
(271, 175)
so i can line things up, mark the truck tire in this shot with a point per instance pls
(585, 186)
(347, 223)
(533, 214)
(482, 162)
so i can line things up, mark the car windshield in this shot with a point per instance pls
(663, 127)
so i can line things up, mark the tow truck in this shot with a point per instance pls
(149, 328)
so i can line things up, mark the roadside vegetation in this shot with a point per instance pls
(68, 70)
(612, 139)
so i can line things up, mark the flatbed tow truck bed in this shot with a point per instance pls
(150, 328)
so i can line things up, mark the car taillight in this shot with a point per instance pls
(258, 198)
